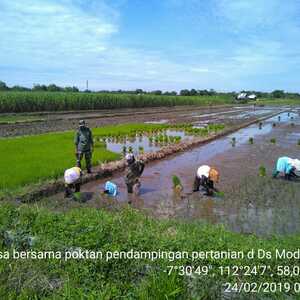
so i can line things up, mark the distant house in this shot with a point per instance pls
(252, 97)
(241, 96)
(244, 97)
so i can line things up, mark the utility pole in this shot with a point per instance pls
(87, 85)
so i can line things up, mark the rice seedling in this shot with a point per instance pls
(262, 171)
(124, 150)
(233, 142)
(141, 150)
(251, 140)
(273, 141)
(177, 186)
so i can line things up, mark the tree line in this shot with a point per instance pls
(185, 92)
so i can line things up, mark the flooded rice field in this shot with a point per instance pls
(248, 203)
(172, 115)
(140, 144)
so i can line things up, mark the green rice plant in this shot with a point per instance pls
(141, 150)
(262, 171)
(130, 149)
(273, 141)
(298, 142)
(233, 141)
(176, 182)
(177, 139)
(251, 140)
(124, 150)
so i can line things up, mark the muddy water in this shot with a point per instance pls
(242, 210)
(143, 141)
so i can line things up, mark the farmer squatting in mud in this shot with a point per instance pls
(286, 167)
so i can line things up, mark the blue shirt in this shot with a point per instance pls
(283, 165)
(111, 188)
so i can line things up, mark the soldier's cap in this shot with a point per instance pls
(81, 123)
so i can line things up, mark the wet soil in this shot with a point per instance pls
(172, 115)
(251, 204)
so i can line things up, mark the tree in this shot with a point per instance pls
(53, 88)
(278, 94)
(193, 92)
(73, 89)
(3, 86)
(39, 87)
(184, 93)
(139, 91)
(19, 88)
(158, 92)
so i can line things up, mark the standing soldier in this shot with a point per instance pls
(134, 171)
(84, 145)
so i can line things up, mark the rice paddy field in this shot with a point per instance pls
(251, 211)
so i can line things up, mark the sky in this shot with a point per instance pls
(226, 45)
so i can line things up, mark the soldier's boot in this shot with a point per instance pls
(78, 161)
(88, 162)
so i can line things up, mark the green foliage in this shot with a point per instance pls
(262, 171)
(273, 141)
(251, 140)
(141, 150)
(41, 100)
(29, 159)
(99, 230)
(176, 181)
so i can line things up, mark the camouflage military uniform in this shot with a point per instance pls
(84, 144)
(134, 171)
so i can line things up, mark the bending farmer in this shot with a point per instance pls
(72, 181)
(205, 178)
(286, 167)
(84, 145)
(134, 171)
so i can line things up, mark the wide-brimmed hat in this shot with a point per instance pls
(296, 164)
(214, 175)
